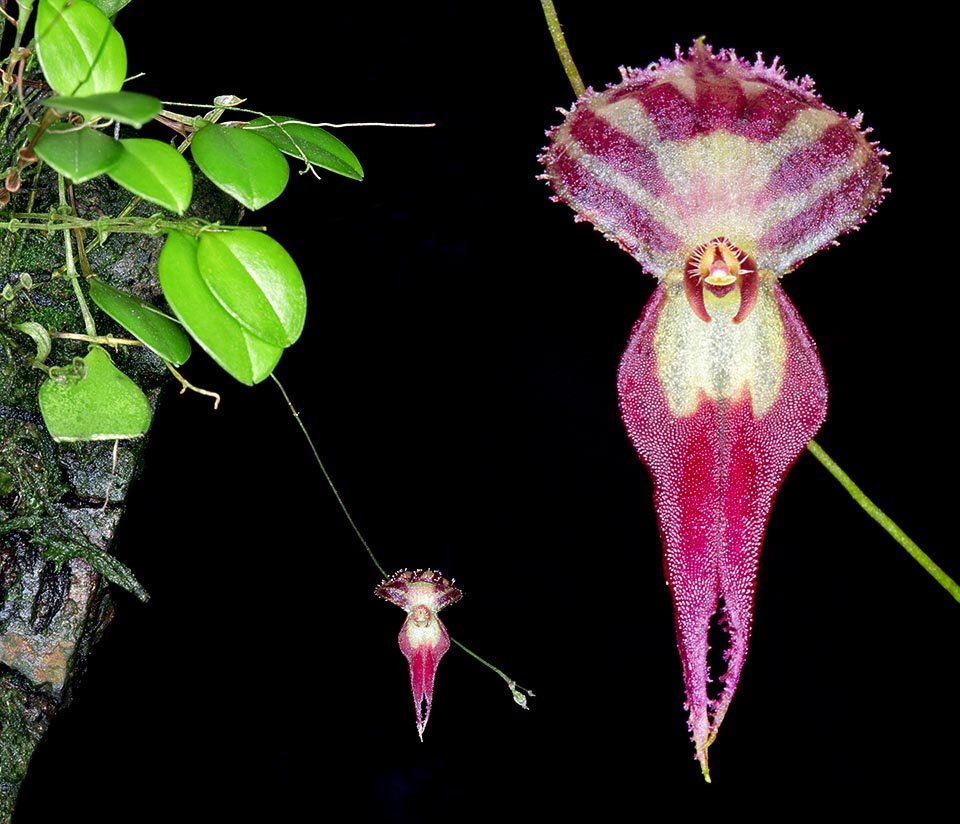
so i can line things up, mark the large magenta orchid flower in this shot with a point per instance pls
(718, 176)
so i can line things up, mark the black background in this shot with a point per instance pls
(458, 374)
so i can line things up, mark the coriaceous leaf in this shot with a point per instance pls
(78, 154)
(246, 166)
(718, 176)
(256, 281)
(162, 334)
(132, 108)
(80, 51)
(156, 172)
(311, 143)
(98, 405)
(245, 356)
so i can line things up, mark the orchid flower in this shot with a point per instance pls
(423, 637)
(718, 176)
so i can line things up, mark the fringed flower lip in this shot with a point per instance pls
(423, 638)
(718, 176)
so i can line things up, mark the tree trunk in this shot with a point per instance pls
(60, 504)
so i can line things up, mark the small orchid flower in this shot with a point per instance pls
(718, 176)
(423, 637)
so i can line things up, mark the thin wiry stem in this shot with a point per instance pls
(560, 44)
(326, 475)
(519, 693)
(885, 521)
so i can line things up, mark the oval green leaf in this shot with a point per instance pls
(79, 154)
(303, 141)
(162, 334)
(132, 108)
(156, 172)
(244, 165)
(80, 51)
(103, 405)
(245, 356)
(256, 281)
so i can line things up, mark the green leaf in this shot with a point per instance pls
(162, 334)
(79, 154)
(155, 171)
(102, 404)
(302, 140)
(80, 51)
(246, 166)
(256, 281)
(109, 7)
(131, 108)
(40, 337)
(246, 357)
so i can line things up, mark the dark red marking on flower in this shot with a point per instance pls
(596, 197)
(749, 287)
(718, 100)
(807, 164)
(816, 226)
(693, 289)
(671, 111)
(618, 150)
(769, 113)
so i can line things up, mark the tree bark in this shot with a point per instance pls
(60, 504)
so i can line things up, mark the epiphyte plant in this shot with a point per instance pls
(233, 290)
(718, 176)
(76, 184)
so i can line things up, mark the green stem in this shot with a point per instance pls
(102, 340)
(190, 120)
(26, 9)
(881, 518)
(154, 225)
(520, 694)
(560, 44)
(88, 324)
(326, 475)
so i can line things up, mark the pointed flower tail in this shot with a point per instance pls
(423, 638)
(718, 176)
(716, 471)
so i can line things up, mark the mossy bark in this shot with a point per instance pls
(59, 503)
